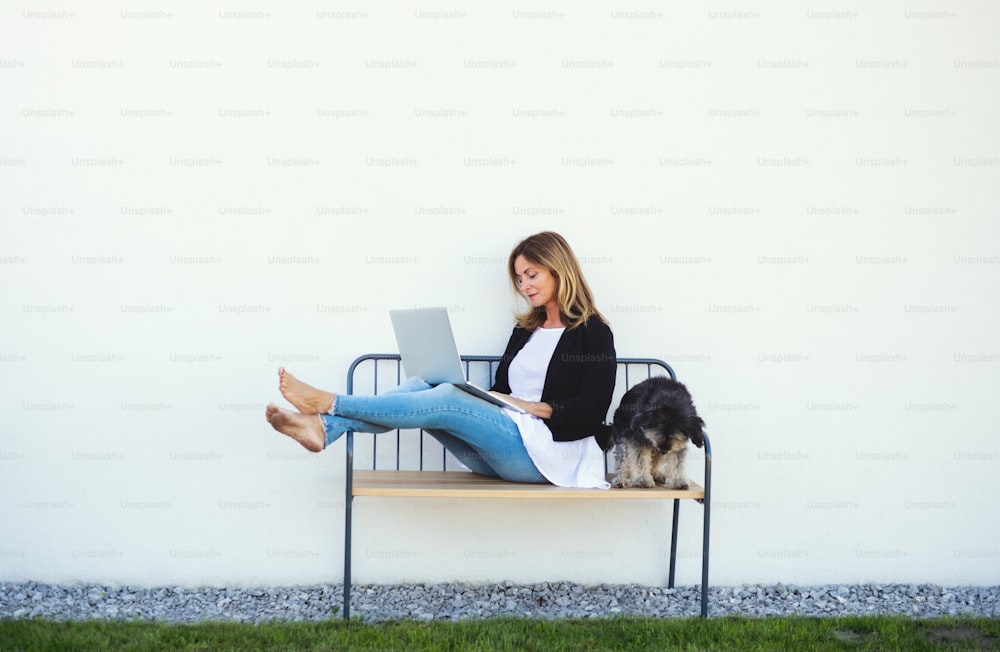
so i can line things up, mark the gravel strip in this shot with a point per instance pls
(460, 601)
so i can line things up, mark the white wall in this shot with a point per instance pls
(796, 204)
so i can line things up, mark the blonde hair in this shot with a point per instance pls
(551, 251)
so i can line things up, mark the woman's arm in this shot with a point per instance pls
(593, 364)
(540, 410)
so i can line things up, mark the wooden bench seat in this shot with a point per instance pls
(460, 484)
(440, 482)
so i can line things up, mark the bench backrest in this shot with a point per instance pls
(377, 372)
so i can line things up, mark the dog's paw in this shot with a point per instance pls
(633, 483)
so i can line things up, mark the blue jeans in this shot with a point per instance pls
(475, 431)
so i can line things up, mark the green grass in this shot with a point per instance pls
(846, 633)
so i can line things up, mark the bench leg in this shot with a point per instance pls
(349, 500)
(673, 543)
(704, 561)
(707, 519)
(704, 552)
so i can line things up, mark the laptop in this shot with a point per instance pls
(427, 347)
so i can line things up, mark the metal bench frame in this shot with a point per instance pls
(650, 364)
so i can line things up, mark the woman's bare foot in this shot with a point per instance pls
(306, 398)
(307, 429)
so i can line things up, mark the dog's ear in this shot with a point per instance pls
(697, 434)
(621, 421)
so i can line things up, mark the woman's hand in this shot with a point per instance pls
(540, 410)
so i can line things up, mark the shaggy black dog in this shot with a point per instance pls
(651, 429)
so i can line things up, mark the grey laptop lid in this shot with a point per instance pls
(427, 345)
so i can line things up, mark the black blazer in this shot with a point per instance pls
(579, 381)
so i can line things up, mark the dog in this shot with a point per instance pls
(651, 429)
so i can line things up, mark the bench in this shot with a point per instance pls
(378, 369)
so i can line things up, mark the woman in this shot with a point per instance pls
(559, 367)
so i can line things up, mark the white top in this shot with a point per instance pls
(563, 463)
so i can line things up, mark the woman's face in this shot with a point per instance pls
(537, 283)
